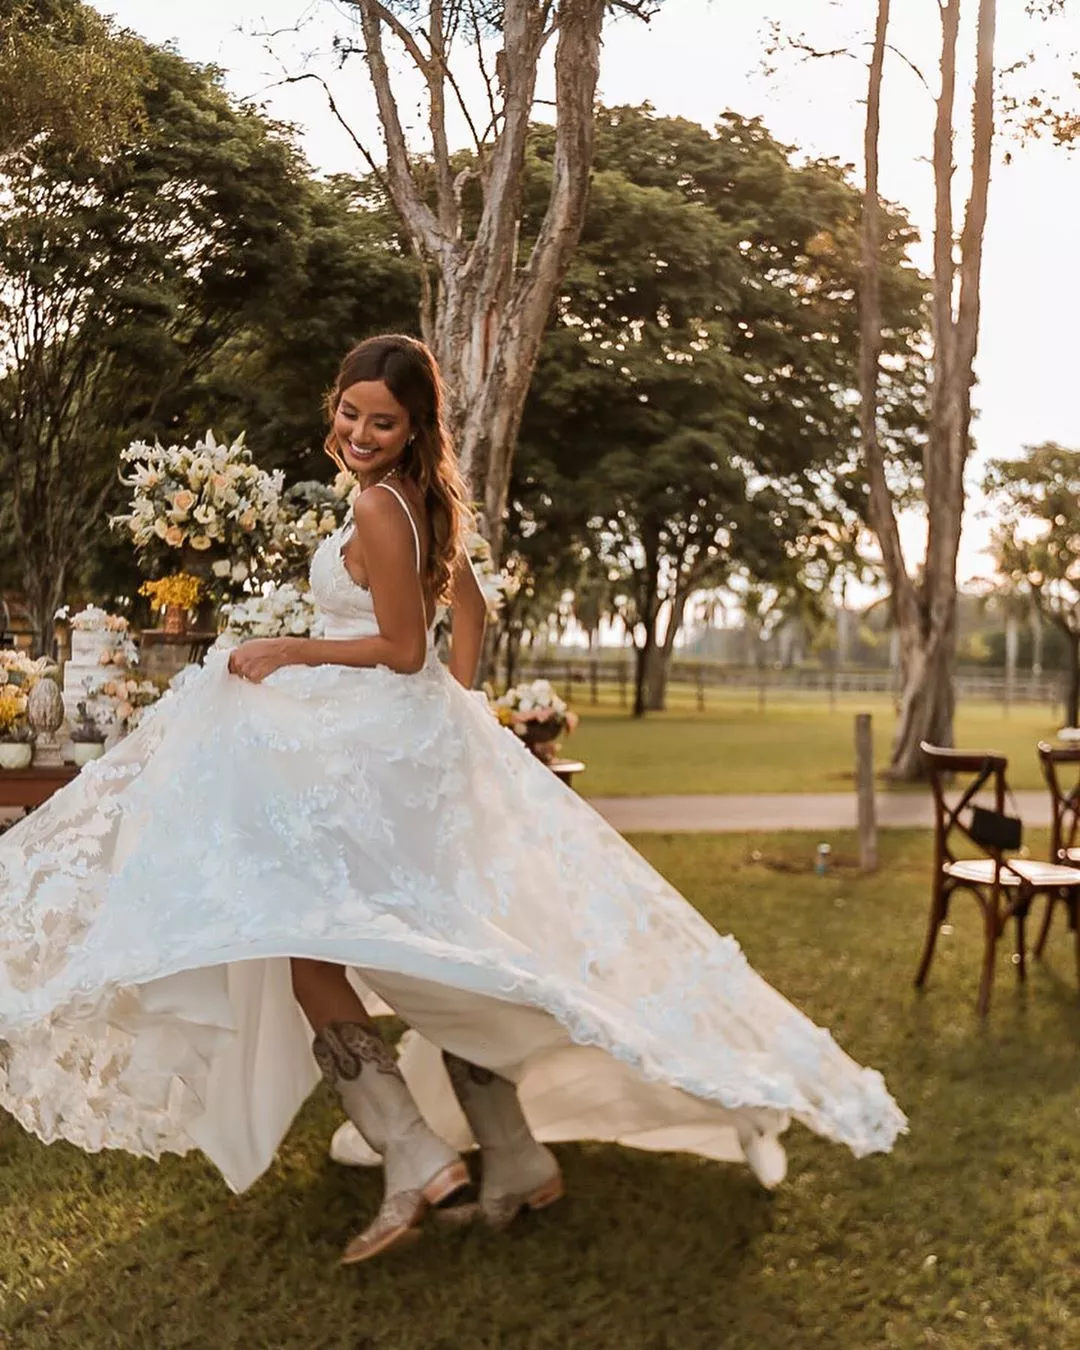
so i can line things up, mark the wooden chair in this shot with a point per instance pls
(1064, 831)
(1004, 887)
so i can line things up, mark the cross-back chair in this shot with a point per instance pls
(1002, 884)
(1061, 770)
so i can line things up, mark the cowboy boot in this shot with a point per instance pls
(518, 1171)
(421, 1169)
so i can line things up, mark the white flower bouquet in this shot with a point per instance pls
(283, 610)
(208, 498)
(494, 584)
(537, 714)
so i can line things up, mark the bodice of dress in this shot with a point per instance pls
(346, 608)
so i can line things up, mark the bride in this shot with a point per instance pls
(305, 816)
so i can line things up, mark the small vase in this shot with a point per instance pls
(175, 619)
(16, 754)
(82, 752)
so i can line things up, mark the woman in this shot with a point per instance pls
(303, 808)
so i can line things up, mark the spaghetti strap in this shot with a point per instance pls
(405, 507)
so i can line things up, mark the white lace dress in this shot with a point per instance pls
(388, 823)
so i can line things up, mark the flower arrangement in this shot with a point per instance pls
(494, 584)
(131, 698)
(180, 591)
(14, 714)
(282, 610)
(538, 715)
(310, 511)
(20, 673)
(209, 498)
(92, 619)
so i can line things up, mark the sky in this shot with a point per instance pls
(697, 58)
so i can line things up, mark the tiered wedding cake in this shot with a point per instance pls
(100, 651)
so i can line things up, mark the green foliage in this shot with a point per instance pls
(1037, 543)
(120, 278)
(348, 278)
(68, 78)
(693, 415)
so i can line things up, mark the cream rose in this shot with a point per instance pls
(200, 541)
(174, 536)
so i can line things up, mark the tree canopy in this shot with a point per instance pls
(693, 414)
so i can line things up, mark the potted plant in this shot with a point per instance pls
(16, 733)
(87, 736)
(175, 596)
(536, 714)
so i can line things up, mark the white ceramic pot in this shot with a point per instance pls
(16, 754)
(82, 752)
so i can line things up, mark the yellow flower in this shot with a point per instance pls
(200, 541)
(181, 589)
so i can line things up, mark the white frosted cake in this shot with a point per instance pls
(86, 672)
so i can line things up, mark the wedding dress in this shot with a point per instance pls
(388, 823)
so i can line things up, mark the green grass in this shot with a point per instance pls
(792, 746)
(965, 1238)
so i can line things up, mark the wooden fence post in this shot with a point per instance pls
(864, 789)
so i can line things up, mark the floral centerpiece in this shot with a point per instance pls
(93, 619)
(20, 672)
(15, 729)
(309, 513)
(175, 596)
(102, 637)
(207, 503)
(280, 611)
(130, 698)
(538, 715)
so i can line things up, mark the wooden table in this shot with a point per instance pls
(28, 788)
(566, 769)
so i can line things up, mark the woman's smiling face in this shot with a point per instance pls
(371, 428)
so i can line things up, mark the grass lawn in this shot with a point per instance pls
(793, 746)
(966, 1238)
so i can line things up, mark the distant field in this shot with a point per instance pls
(792, 745)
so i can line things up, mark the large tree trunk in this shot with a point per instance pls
(1072, 679)
(926, 612)
(485, 317)
(927, 701)
(658, 667)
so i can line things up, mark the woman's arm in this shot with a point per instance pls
(385, 540)
(468, 619)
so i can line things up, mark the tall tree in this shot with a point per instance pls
(484, 307)
(924, 604)
(1036, 546)
(694, 398)
(120, 276)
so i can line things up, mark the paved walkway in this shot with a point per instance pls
(818, 811)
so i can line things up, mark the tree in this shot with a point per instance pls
(1037, 543)
(120, 276)
(485, 308)
(67, 76)
(925, 605)
(694, 397)
(349, 276)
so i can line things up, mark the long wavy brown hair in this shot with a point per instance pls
(411, 373)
